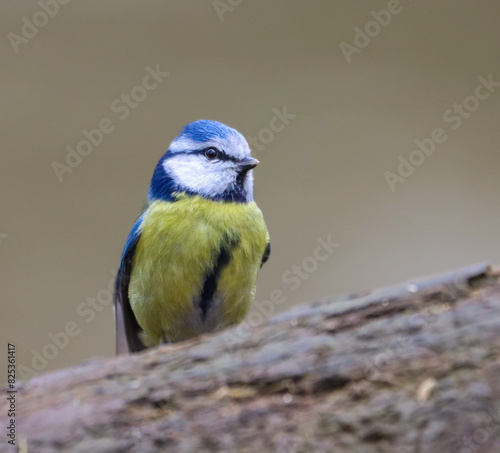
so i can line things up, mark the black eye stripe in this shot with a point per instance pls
(221, 155)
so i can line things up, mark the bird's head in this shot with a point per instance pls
(208, 159)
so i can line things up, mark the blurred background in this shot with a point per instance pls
(332, 96)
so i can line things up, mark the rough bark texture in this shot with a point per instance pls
(413, 368)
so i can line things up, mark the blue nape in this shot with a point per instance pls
(162, 185)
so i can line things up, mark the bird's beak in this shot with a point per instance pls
(247, 164)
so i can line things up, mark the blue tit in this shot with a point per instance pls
(191, 260)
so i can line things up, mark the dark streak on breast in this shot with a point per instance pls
(210, 282)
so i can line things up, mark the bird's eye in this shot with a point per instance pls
(212, 153)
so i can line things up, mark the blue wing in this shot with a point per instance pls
(127, 327)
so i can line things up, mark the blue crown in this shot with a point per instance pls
(204, 130)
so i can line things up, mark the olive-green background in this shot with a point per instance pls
(322, 175)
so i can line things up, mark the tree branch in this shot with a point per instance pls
(412, 368)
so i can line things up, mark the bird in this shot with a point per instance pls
(190, 263)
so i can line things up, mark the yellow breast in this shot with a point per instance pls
(178, 248)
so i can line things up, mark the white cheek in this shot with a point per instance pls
(191, 172)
